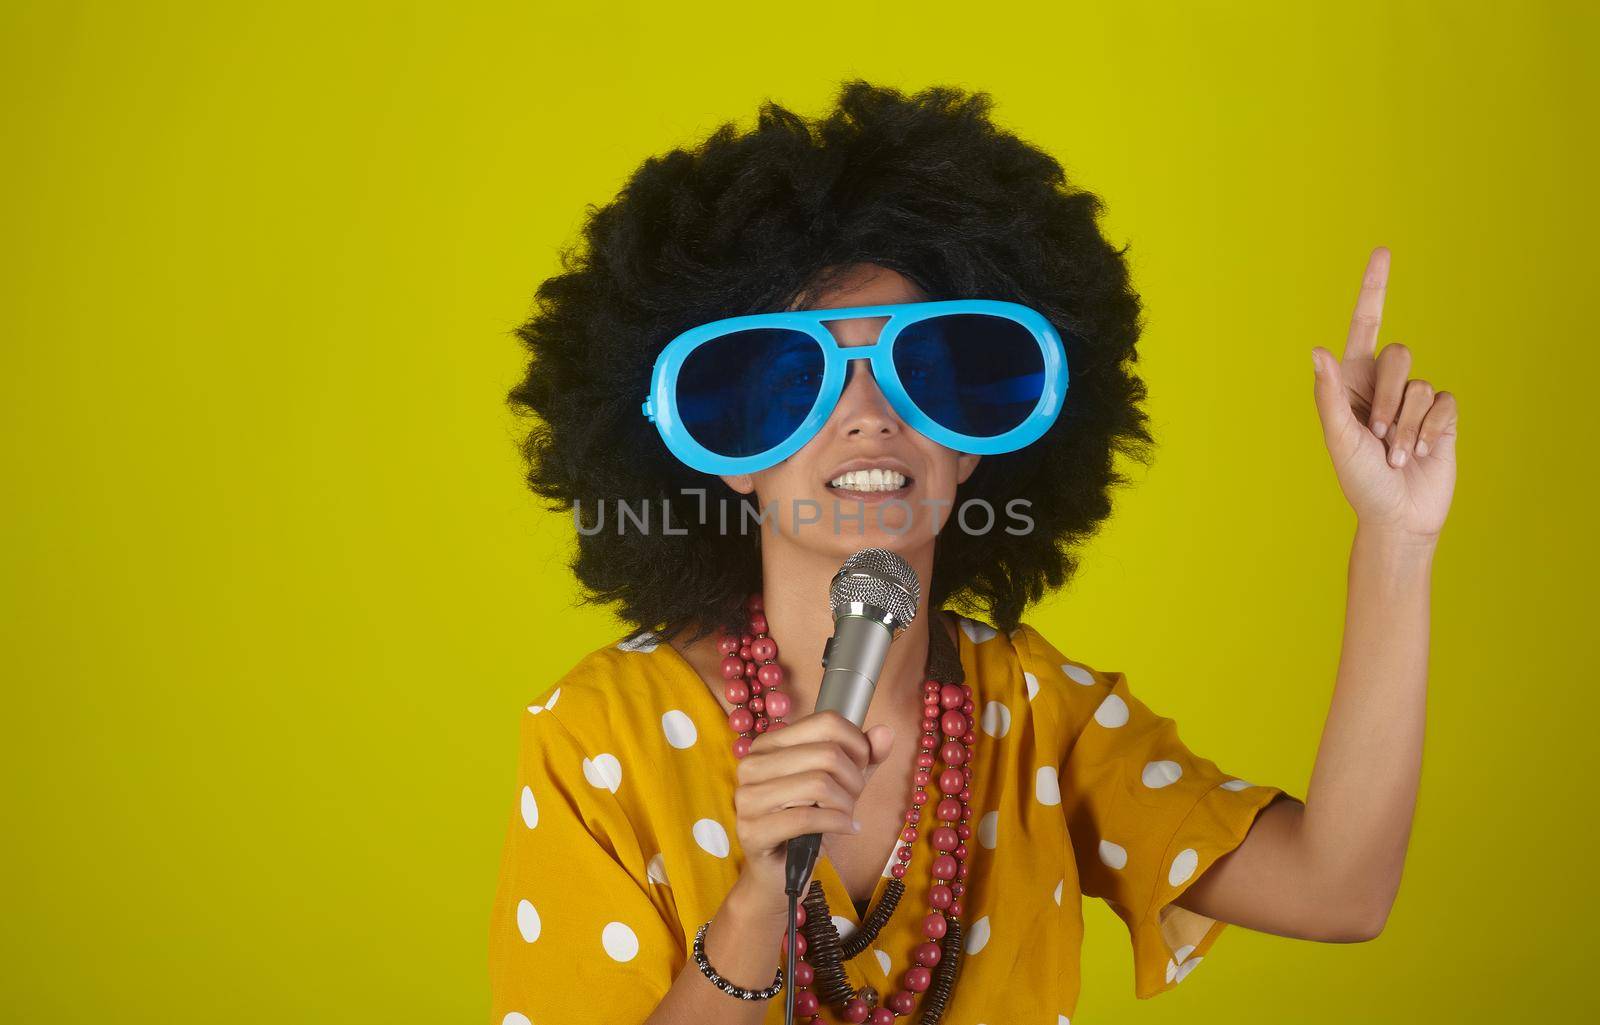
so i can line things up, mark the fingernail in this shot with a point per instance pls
(1399, 457)
(857, 824)
(1422, 448)
(1380, 428)
(1316, 364)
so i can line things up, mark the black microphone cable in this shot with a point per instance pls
(802, 857)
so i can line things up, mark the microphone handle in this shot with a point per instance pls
(851, 662)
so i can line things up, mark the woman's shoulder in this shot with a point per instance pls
(1043, 658)
(624, 688)
(1024, 671)
(1026, 650)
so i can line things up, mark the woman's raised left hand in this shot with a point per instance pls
(1392, 439)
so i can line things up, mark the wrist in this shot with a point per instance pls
(1395, 538)
(757, 908)
(1398, 560)
(744, 940)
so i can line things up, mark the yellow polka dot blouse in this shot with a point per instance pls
(622, 841)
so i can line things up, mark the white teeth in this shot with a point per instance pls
(870, 480)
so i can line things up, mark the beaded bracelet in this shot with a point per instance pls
(723, 984)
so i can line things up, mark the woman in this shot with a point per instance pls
(996, 777)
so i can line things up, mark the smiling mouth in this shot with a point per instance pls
(873, 482)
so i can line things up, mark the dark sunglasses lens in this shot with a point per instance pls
(746, 392)
(971, 373)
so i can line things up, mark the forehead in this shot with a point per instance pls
(860, 284)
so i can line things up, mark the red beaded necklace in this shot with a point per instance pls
(752, 681)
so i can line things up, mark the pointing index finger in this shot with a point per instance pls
(1363, 340)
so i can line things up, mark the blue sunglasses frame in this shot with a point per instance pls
(661, 405)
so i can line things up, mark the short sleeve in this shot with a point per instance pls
(574, 934)
(1146, 815)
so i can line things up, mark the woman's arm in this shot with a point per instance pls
(1329, 869)
(740, 944)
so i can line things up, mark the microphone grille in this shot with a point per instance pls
(880, 578)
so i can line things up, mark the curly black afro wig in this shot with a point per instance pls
(926, 185)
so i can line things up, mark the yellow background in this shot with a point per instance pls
(275, 597)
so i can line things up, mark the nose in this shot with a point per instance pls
(863, 411)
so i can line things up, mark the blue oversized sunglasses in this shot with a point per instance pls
(741, 394)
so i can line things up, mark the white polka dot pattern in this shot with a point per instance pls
(619, 941)
(988, 828)
(1046, 786)
(643, 643)
(1183, 866)
(1177, 972)
(603, 772)
(679, 729)
(712, 838)
(1159, 774)
(996, 721)
(528, 920)
(1077, 674)
(977, 632)
(657, 872)
(530, 808)
(1113, 855)
(1113, 712)
(1033, 684)
(549, 702)
(978, 938)
(894, 856)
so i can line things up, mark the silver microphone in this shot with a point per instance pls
(874, 597)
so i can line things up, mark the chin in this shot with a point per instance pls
(907, 526)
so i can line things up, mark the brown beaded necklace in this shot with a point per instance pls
(752, 682)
